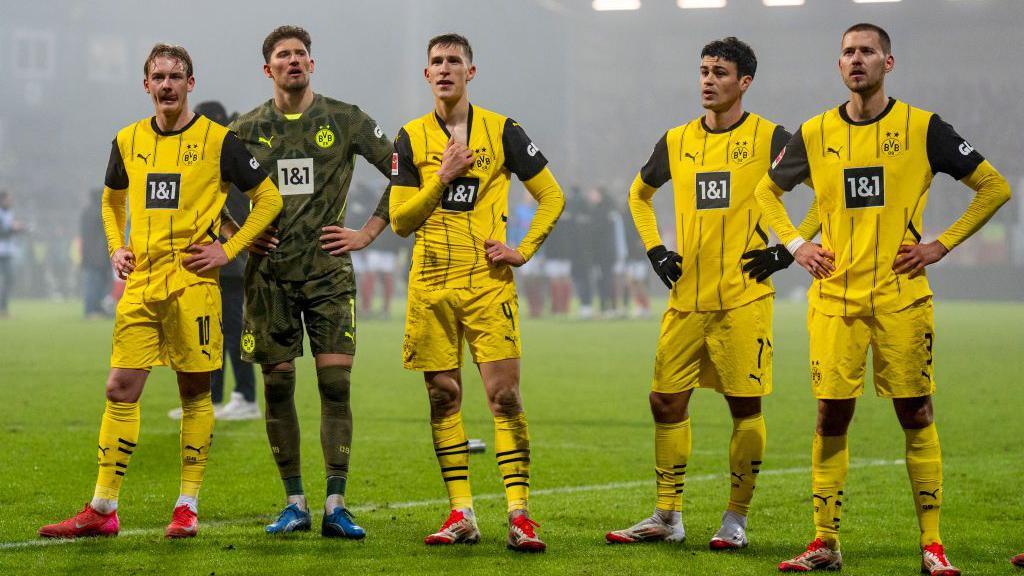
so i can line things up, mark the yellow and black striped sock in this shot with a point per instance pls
(830, 461)
(672, 446)
(512, 450)
(119, 434)
(745, 452)
(196, 438)
(452, 449)
(924, 466)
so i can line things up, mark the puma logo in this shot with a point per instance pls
(205, 353)
(510, 339)
(824, 499)
(755, 378)
(834, 151)
(692, 157)
(739, 477)
(144, 158)
(350, 336)
(934, 494)
(267, 141)
(103, 450)
(191, 447)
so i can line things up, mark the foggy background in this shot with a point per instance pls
(595, 91)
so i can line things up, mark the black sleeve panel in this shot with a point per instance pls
(656, 172)
(521, 155)
(237, 165)
(403, 167)
(117, 176)
(790, 167)
(948, 152)
(779, 140)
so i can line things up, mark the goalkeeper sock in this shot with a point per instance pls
(830, 461)
(924, 466)
(196, 439)
(452, 450)
(745, 452)
(283, 428)
(512, 450)
(119, 433)
(672, 446)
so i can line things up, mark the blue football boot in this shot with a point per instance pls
(291, 519)
(341, 524)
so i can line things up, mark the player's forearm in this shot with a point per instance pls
(410, 207)
(768, 195)
(382, 211)
(811, 225)
(374, 226)
(550, 203)
(266, 205)
(991, 192)
(113, 209)
(228, 225)
(641, 207)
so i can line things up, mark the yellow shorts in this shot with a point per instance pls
(183, 331)
(729, 351)
(438, 321)
(901, 348)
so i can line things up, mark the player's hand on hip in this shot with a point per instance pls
(337, 240)
(912, 258)
(763, 263)
(205, 257)
(499, 253)
(815, 259)
(123, 261)
(265, 242)
(667, 264)
(455, 162)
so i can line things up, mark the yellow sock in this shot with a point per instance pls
(924, 466)
(196, 437)
(671, 452)
(512, 450)
(119, 433)
(830, 461)
(452, 449)
(745, 452)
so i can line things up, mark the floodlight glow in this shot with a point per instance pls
(783, 2)
(608, 5)
(873, 1)
(700, 3)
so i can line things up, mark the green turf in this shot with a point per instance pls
(585, 387)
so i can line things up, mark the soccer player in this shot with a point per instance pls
(301, 274)
(175, 170)
(717, 331)
(871, 161)
(450, 178)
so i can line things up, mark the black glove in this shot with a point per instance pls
(764, 263)
(667, 264)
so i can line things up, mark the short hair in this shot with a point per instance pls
(451, 39)
(734, 50)
(283, 33)
(883, 36)
(169, 51)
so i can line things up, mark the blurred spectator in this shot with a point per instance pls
(97, 274)
(9, 227)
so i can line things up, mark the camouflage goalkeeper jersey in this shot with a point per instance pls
(311, 159)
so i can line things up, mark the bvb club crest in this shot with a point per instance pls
(324, 137)
(190, 155)
(740, 152)
(248, 342)
(483, 160)
(891, 145)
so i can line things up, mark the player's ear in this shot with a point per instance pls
(145, 85)
(311, 65)
(190, 84)
(426, 75)
(266, 70)
(890, 63)
(745, 82)
(471, 73)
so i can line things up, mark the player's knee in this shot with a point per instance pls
(334, 383)
(914, 413)
(506, 401)
(278, 386)
(669, 408)
(741, 407)
(834, 417)
(123, 389)
(444, 395)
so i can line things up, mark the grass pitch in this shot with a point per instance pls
(585, 387)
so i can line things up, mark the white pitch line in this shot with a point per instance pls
(440, 501)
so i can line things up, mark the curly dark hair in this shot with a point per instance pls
(734, 50)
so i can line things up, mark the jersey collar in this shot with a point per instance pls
(469, 124)
(153, 124)
(846, 118)
(704, 125)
